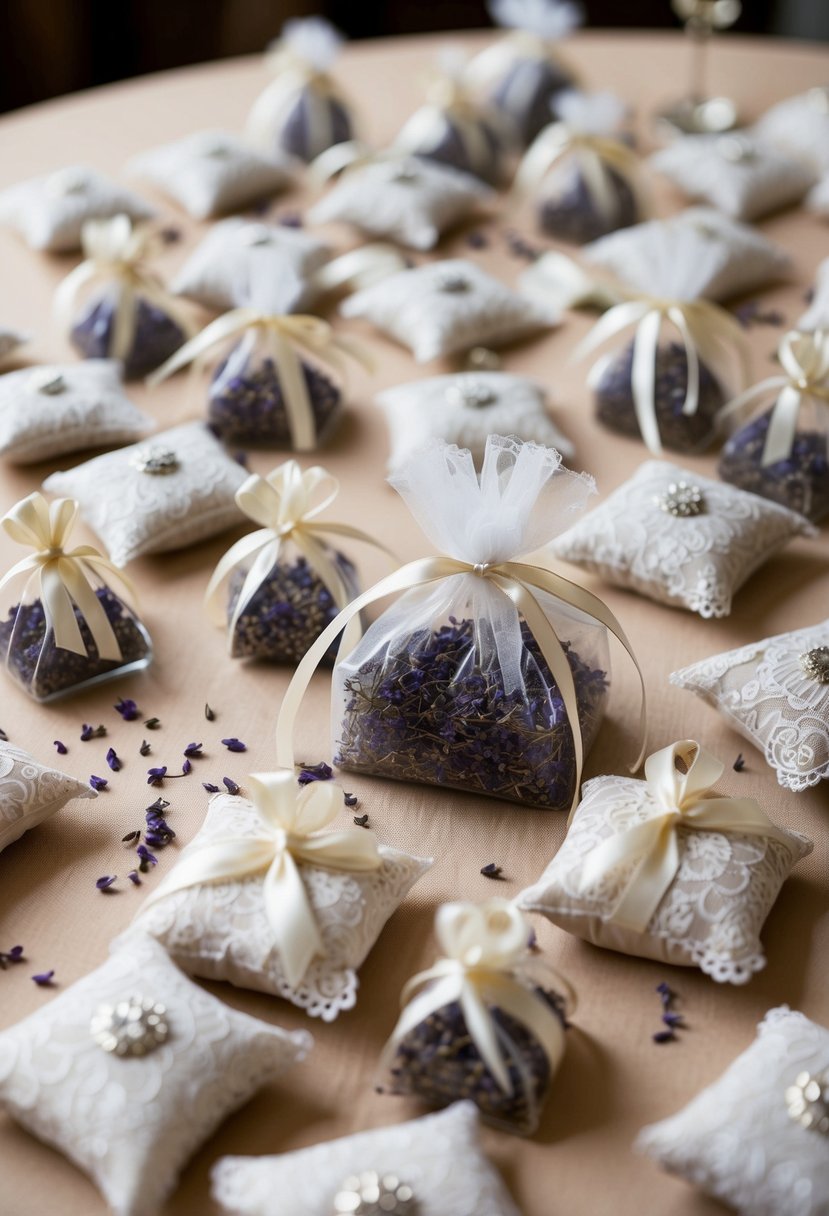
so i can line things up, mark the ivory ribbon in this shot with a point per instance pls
(290, 834)
(358, 268)
(64, 577)
(449, 105)
(484, 946)
(706, 331)
(518, 582)
(286, 332)
(494, 64)
(292, 76)
(115, 252)
(681, 794)
(285, 504)
(805, 361)
(595, 154)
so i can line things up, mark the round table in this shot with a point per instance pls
(614, 1079)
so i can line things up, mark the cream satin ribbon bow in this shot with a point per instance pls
(285, 504)
(595, 154)
(706, 331)
(292, 75)
(484, 946)
(285, 333)
(290, 834)
(679, 778)
(518, 582)
(64, 577)
(115, 252)
(804, 358)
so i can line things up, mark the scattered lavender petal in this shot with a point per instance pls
(15, 955)
(127, 709)
(152, 723)
(144, 749)
(209, 713)
(113, 761)
(230, 785)
(315, 772)
(98, 783)
(92, 732)
(673, 1020)
(532, 941)
(43, 979)
(739, 764)
(104, 884)
(170, 235)
(350, 800)
(147, 858)
(155, 776)
(234, 745)
(61, 748)
(361, 821)
(4, 738)
(131, 837)
(158, 806)
(664, 1036)
(186, 768)
(134, 878)
(477, 240)
(193, 750)
(290, 219)
(211, 789)
(492, 871)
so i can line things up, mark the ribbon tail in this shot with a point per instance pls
(301, 421)
(484, 1035)
(782, 426)
(122, 335)
(92, 611)
(260, 568)
(643, 379)
(597, 181)
(353, 534)
(323, 565)
(59, 612)
(348, 851)
(691, 403)
(536, 1015)
(248, 547)
(616, 319)
(650, 881)
(291, 918)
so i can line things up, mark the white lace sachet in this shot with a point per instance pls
(679, 538)
(817, 200)
(45, 411)
(444, 307)
(406, 199)
(437, 1159)
(30, 792)
(209, 173)
(222, 931)
(50, 211)
(745, 259)
(153, 497)
(744, 177)
(660, 868)
(776, 694)
(799, 126)
(756, 1138)
(235, 250)
(464, 409)
(133, 1067)
(816, 315)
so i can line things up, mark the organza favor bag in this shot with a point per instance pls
(67, 629)
(487, 675)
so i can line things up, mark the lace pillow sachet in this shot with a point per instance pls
(235, 250)
(409, 200)
(679, 538)
(743, 258)
(50, 211)
(756, 1138)
(776, 694)
(129, 1070)
(233, 927)
(210, 172)
(433, 1166)
(744, 177)
(485, 1023)
(448, 306)
(45, 411)
(464, 409)
(799, 126)
(151, 498)
(30, 792)
(660, 869)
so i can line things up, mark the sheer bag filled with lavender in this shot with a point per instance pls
(783, 453)
(582, 170)
(486, 1023)
(286, 581)
(488, 674)
(67, 628)
(668, 391)
(113, 306)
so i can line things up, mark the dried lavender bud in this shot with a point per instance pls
(431, 713)
(155, 776)
(131, 837)
(193, 750)
(134, 879)
(246, 405)
(105, 883)
(152, 723)
(361, 821)
(350, 800)
(15, 955)
(208, 713)
(664, 1036)
(144, 749)
(127, 709)
(60, 748)
(290, 219)
(98, 783)
(572, 213)
(4, 738)
(211, 789)
(680, 432)
(44, 979)
(439, 1062)
(45, 671)
(156, 335)
(800, 482)
(147, 858)
(234, 745)
(519, 247)
(739, 764)
(314, 772)
(113, 761)
(674, 1020)
(230, 785)
(525, 92)
(666, 993)
(750, 313)
(477, 240)
(492, 871)
(287, 612)
(92, 732)
(295, 134)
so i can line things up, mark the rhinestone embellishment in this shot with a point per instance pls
(472, 394)
(132, 1027)
(682, 500)
(47, 380)
(373, 1194)
(453, 283)
(156, 461)
(815, 664)
(807, 1101)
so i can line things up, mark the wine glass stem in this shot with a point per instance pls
(700, 35)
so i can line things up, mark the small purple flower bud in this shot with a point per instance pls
(234, 745)
(113, 761)
(44, 979)
(98, 783)
(104, 883)
(127, 709)
(61, 748)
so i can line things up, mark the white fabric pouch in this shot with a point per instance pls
(50, 211)
(31, 792)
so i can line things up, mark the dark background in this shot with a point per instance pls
(51, 47)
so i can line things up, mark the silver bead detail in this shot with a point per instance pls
(155, 460)
(47, 380)
(373, 1194)
(133, 1027)
(453, 283)
(807, 1101)
(682, 500)
(473, 394)
(815, 664)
